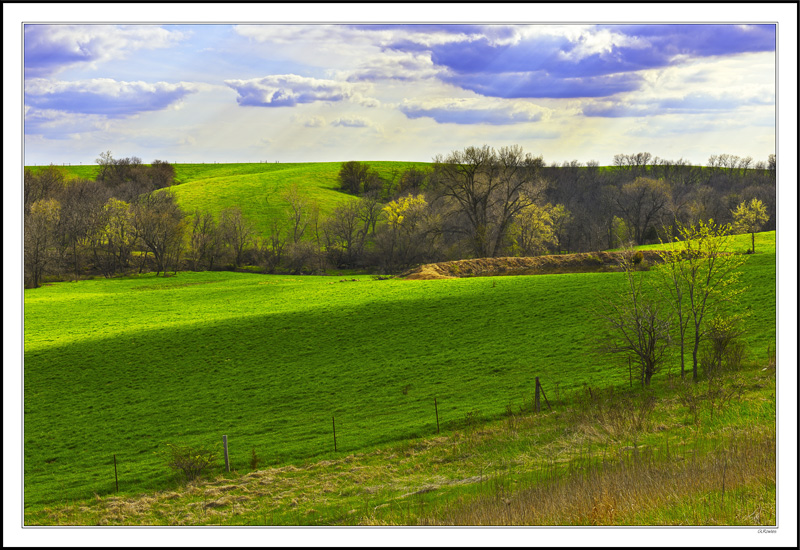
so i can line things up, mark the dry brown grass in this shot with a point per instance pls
(643, 486)
(587, 262)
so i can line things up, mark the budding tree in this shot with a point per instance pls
(749, 217)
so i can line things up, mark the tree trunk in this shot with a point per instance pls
(694, 353)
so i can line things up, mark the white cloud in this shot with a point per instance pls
(475, 110)
(53, 48)
(353, 122)
(288, 90)
(394, 65)
(104, 96)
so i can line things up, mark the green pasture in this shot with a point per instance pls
(121, 367)
(765, 243)
(258, 189)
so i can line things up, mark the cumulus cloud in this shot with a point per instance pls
(60, 125)
(104, 96)
(288, 90)
(314, 122)
(588, 62)
(352, 122)
(540, 84)
(53, 48)
(403, 66)
(692, 103)
(474, 111)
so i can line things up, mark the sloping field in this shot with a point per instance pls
(122, 367)
(259, 189)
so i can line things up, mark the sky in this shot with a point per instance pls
(338, 92)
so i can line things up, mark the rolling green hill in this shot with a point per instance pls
(123, 366)
(257, 188)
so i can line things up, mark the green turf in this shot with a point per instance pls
(124, 366)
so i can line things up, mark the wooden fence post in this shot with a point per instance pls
(333, 418)
(436, 406)
(545, 398)
(116, 480)
(225, 445)
(536, 405)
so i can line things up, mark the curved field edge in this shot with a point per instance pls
(268, 360)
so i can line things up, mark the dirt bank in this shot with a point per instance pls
(588, 262)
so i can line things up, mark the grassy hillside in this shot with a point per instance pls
(124, 366)
(257, 188)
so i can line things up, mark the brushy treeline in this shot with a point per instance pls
(479, 202)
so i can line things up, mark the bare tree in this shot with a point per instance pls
(206, 241)
(81, 216)
(637, 323)
(299, 214)
(40, 223)
(489, 188)
(237, 232)
(345, 233)
(47, 183)
(640, 202)
(159, 223)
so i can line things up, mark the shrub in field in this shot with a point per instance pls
(187, 461)
(723, 350)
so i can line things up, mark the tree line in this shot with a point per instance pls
(477, 202)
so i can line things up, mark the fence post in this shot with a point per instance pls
(545, 398)
(225, 445)
(436, 406)
(333, 418)
(116, 480)
(536, 404)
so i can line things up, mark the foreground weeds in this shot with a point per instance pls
(673, 455)
(730, 485)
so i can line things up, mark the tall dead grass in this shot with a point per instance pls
(721, 481)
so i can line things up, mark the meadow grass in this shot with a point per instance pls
(765, 243)
(125, 366)
(577, 464)
(257, 188)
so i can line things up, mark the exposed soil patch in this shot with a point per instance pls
(587, 262)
